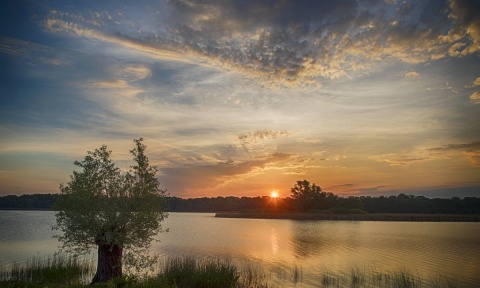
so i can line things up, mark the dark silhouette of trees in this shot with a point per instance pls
(118, 213)
(309, 197)
(28, 202)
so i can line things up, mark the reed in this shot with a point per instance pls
(372, 279)
(57, 269)
(185, 272)
(192, 272)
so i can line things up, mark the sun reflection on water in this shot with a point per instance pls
(274, 241)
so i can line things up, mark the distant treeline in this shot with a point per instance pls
(401, 203)
(391, 204)
(28, 202)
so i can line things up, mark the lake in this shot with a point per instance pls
(427, 249)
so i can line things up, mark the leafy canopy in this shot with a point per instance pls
(101, 205)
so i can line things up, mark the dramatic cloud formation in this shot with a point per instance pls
(294, 43)
(242, 97)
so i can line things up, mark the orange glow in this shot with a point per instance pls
(274, 194)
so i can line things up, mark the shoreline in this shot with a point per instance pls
(353, 217)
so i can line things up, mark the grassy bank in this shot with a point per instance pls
(353, 217)
(190, 272)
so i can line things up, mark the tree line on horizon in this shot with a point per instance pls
(326, 201)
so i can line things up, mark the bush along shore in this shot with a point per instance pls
(191, 272)
(352, 216)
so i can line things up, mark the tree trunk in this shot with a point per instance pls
(109, 263)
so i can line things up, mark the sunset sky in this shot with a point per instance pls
(245, 97)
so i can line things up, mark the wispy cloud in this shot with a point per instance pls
(247, 139)
(372, 190)
(471, 151)
(394, 159)
(412, 74)
(209, 177)
(29, 52)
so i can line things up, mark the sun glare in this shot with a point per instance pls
(274, 194)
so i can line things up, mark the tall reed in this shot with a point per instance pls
(59, 268)
(185, 272)
(200, 273)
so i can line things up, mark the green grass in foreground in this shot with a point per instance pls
(190, 272)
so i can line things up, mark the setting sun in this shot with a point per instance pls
(274, 194)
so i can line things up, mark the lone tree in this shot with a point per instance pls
(117, 212)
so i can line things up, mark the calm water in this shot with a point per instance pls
(425, 249)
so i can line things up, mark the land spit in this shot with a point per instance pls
(353, 217)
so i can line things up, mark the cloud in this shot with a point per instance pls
(117, 87)
(122, 82)
(260, 135)
(471, 151)
(29, 52)
(136, 72)
(372, 190)
(476, 82)
(475, 97)
(466, 22)
(117, 84)
(412, 74)
(341, 186)
(208, 177)
(257, 141)
(291, 42)
(396, 160)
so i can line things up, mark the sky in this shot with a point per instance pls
(241, 98)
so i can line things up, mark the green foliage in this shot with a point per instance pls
(101, 205)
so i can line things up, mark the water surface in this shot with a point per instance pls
(427, 249)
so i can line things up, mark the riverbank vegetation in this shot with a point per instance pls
(190, 272)
(399, 204)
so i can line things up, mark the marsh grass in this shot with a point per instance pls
(202, 273)
(253, 275)
(444, 282)
(57, 269)
(189, 272)
(361, 278)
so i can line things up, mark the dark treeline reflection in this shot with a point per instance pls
(326, 202)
